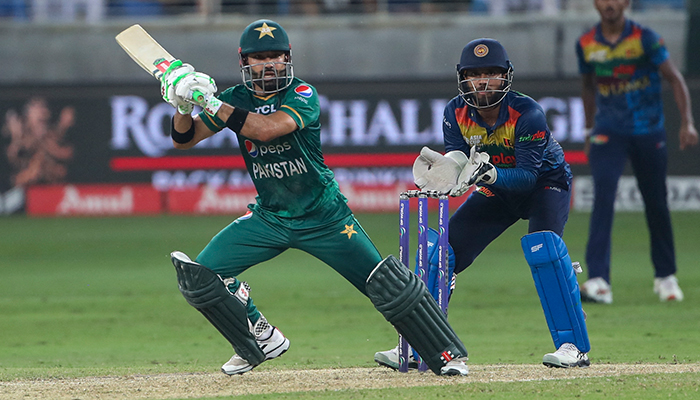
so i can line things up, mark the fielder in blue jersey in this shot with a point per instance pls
(520, 173)
(622, 64)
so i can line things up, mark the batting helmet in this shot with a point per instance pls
(265, 36)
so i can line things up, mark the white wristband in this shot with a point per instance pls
(212, 105)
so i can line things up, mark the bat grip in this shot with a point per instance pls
(198, 96)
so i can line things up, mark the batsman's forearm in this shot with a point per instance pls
(182, 123)
(182, 131)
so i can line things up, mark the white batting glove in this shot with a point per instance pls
(195, 88)
(168, 82)
(476, 161)
(433, 171)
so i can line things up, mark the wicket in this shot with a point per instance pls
(423, 262)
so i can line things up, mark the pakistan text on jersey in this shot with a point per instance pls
(280, 169)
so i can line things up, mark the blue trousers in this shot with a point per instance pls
(649, 158)
(485, 215)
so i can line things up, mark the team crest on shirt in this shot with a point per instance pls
(304, 91)
(251, 148)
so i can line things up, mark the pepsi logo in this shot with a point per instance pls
(304, 91)
(252, 148)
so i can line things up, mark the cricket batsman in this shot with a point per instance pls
(275, 116)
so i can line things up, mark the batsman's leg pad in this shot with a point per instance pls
(557, 287)
(433, 236)
(205, 290)
(405, 302)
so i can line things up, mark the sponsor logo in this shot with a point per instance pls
(540, 135)
(447, 356)
(161, 64)
(599, 139)
(251, 148)
(75, 202)
(304, 91)
(255, 151)
(265, 109)
(485, 191)
(447, 124)
(242, 293)
(244, 217)
(536, 247)
(624, 71)
(502, 159)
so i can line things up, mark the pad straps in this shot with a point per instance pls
(405, 302)
(205, 290)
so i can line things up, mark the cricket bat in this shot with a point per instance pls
(147, 53)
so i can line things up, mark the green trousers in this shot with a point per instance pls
(332, 235)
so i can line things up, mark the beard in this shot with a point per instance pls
(272, 82)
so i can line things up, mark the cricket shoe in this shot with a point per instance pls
(667, 288)
(274, 345)
(390, 358)
(596, 290)
(567, 356)
(456, 367)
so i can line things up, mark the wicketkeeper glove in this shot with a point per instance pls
(486, 174)
(476, 161)
(433, 171)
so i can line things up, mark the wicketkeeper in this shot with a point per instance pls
(520, 173)
(275, 117)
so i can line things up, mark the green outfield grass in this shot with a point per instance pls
(98, 296)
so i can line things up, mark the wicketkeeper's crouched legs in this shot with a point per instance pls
(559, 294)
(405, 302)
(226, 310)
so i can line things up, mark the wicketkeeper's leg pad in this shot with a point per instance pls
(206, 291)
(405, 302)
(557, 287)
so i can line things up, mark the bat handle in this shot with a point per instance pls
(198, 96)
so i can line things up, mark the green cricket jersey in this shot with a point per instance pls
(288, 172)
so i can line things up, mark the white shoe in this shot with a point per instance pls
(455, 367)
(390, 358)
(596, 290)
(274, 345)
(667, 288)
(567, 356)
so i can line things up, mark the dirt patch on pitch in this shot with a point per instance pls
(171, 386)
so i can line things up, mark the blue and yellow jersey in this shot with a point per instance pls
(289, 173)
(627, 78)
(520, 144)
